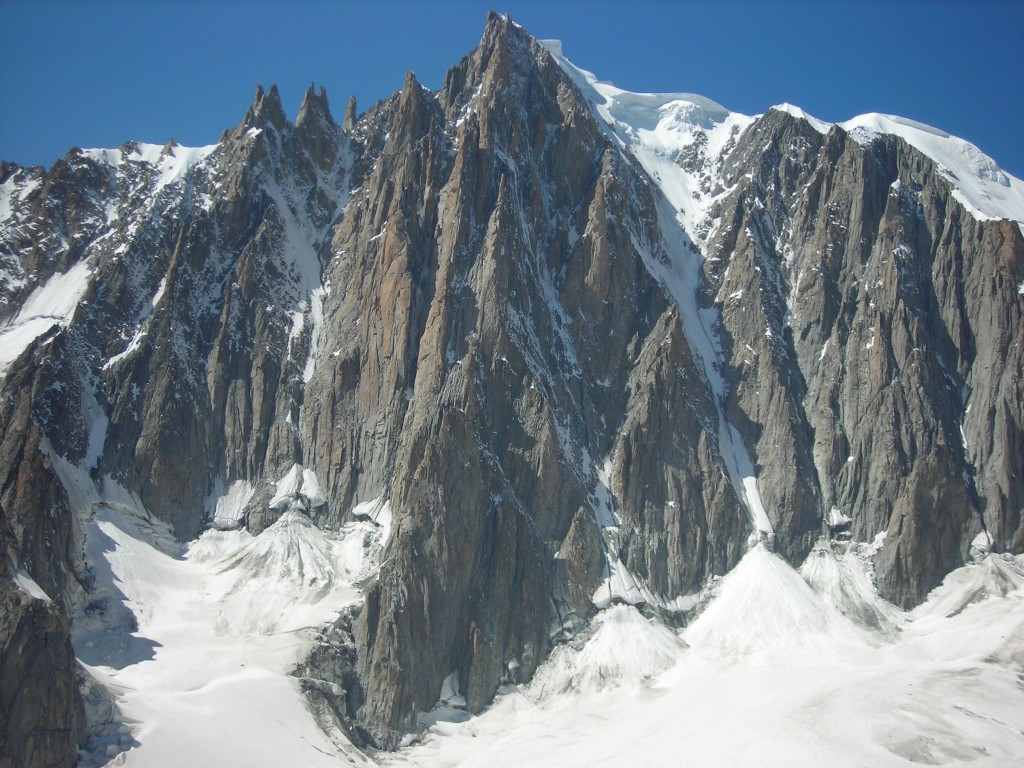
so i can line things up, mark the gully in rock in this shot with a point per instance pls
(529, 387)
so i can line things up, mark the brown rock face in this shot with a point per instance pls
(893, 337)
(455, 302)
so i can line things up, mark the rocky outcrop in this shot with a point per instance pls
(857, 296)
(41, 718)
(42, 722)
(459, 302)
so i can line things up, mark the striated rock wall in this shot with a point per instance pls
(857, 300)
(42, 721)
(456, 302)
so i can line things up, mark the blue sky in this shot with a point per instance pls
(100, 73)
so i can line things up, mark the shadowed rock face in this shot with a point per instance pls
(40, 710)
(449, 302)
(42, 721)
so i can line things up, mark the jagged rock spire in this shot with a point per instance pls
(266, 108)
(314, 104)
(349, 121)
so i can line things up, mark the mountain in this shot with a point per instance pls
(430, 390)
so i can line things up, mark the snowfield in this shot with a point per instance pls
(51, 304)
(198, 642)
(780, 668)
(657, 127)
(777, 673)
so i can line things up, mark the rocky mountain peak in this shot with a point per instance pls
(314, 107)
(503, 84)
(349, 121)
(497, 26)
(506, 47)
(542, 370)
(416, 108)
(8, 170)
(266, 109)
(169, 147)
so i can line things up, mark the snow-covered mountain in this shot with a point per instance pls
(692, 436)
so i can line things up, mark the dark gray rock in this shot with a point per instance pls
(42, 722)
(876, 290)
(448, 302)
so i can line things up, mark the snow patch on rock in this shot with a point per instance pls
(228, 508)
(298, 485)
(53, 303)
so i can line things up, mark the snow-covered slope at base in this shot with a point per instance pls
(782, 668)
(799, 682)
(205, 678)
(992, 577)
(762, 607)
(844, 584)
(281, 580)
(624, 647)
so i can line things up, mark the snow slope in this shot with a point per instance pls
(981, 186)
(623, 646)
(53, 303)
(168, 164)
(662, 125)
(656, 128)
(777, 675)
(197, 643)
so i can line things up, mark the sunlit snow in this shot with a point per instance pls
(52, 303)
(229, 507)
(299, 484)
(205, 679)
(983, 188)
(30, 587)
(781, 670)
(171, 163)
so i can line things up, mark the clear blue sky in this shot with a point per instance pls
(95, 74)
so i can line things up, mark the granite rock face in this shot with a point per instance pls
(42, 721)
(877, 350)
(41, 714)
(461, 302)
